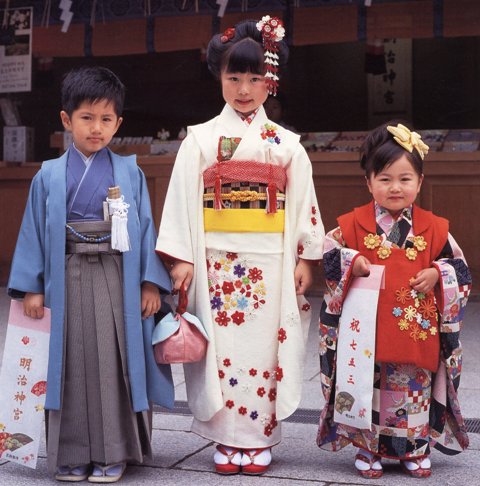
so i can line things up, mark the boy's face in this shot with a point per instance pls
(93, 125)
(244, 92)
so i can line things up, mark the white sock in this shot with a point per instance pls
(264, 458)
(363, 466)
(425, 463)
(219, 458)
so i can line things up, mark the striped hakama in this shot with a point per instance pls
(96, 422)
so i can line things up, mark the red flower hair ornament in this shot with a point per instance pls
(272, 32)
(229, 34)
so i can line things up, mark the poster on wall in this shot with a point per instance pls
(16, 50)
(390, 93)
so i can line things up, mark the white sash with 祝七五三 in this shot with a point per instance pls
(356, 351)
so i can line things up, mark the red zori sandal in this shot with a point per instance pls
(418, 468)
(256, 461)
(227, 460)
(368, 465)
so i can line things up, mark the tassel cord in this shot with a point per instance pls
(118, 209)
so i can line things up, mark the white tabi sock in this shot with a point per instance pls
(219, 458)
(425, 463)
(363, 466)
(263, 458)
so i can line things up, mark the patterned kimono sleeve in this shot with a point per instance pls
(309, 232)
(455, 283)
(337, 262)
(448, 428)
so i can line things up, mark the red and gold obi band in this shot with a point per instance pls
(225, 172)
(240, 208)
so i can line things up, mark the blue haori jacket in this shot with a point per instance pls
(39, 266)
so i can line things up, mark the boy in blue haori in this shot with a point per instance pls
(101, 372)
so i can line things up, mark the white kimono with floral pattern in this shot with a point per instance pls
(252, 375)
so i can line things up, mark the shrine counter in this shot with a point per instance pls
(451, 189)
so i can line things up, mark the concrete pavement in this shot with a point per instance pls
(182, 458)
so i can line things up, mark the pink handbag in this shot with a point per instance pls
(179, 337)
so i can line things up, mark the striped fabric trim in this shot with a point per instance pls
(234, 202)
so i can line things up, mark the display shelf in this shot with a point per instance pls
(451, 189)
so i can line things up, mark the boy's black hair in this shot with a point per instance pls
(242, 53)
(379, 150)
(92, 84)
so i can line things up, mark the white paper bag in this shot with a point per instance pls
(356, 351)
(23, 380)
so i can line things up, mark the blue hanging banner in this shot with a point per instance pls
(438, 18)
(150, 34)
(362, 23)
(87, 41)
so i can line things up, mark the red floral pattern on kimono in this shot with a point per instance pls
(236, 289)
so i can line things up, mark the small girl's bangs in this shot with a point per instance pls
(245, 56)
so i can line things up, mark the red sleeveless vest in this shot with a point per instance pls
(407, 321)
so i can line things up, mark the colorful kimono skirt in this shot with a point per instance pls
(244, 272)
(400, 415)
(96, 422)
(413, 409)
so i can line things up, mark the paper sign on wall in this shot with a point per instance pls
(16, 50)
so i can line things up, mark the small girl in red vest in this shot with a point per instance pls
(418, 355)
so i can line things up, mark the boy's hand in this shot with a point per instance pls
(150, 299)
(425, 280)
(303, 276)
(181, 272)
(361, 267)
(33, 305)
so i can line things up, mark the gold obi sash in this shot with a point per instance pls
(243, 221)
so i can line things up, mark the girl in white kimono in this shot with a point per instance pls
(242, 230)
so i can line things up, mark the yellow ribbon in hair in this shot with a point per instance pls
(408, 140)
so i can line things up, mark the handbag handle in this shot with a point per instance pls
(182, 299)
